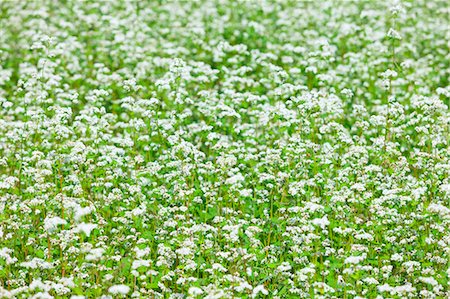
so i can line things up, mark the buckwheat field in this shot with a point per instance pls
(224, 149)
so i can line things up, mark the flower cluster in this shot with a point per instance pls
(224, 149)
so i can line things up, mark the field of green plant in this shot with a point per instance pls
(224, 149)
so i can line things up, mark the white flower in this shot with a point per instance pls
(37, 263)
(219, 267)
(80, 212)
(392, 33)
(354, 259)
(140, 253)
(439, 209)
(51, 223)
(140, 263)
(321, 222)
(259, 289)
(119, 289)
(95, 254)
(428, 280)
(370, 281)
(364, 236)
(194, 291)
(397, 257)
(86, 228)
(8, 182)
(235, 179)
(5, 253)
(42, 295)
(183, 251)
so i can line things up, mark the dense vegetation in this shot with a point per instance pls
(224, 149)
